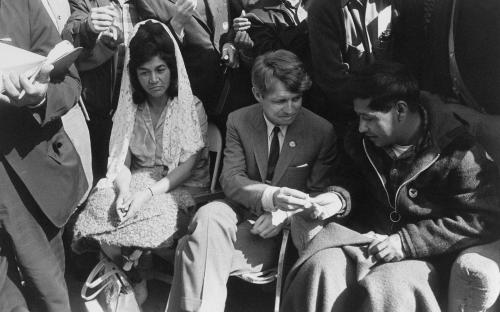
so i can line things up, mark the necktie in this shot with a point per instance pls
(274, 154)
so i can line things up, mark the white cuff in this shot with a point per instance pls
(267, 198)
(331, 210)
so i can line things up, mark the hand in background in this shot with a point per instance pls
(230, 55)
(100, 18)
(112, 37)
(243, 41)
(241, 23)
(21, 91)
(184, 10)
(269, 224)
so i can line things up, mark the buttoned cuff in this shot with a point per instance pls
(344, 197)
(267, 198)
(38, 110)
(332, 211)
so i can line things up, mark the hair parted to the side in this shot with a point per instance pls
(282, 65)
(151, 40)
(385, 83)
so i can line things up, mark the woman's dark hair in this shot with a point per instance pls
(151, 40)
(385, 83)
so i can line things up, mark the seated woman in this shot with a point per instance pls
(157, 151)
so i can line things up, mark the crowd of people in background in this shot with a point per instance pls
(345, 119)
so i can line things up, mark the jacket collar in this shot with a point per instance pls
(443, 126)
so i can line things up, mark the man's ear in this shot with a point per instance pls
(402, 110)
(257, 94)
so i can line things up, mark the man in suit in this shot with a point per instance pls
(276, 153)
(41, 176)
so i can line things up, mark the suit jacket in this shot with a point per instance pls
(201, 43)
(38, 156)
(305, 162)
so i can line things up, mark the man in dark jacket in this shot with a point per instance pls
(100, 65)
(41, 176)
(346, 35)
(422, 187)
(476, 44)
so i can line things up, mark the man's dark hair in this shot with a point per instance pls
(151, 40)
(385, 83)
(282, 65)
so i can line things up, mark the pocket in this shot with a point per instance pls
(59, 148)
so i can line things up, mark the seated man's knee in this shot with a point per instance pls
(214, 216)
(322, 262)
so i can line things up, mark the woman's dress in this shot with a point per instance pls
(164, 217)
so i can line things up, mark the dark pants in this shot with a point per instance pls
(100, 132)
(36, 246)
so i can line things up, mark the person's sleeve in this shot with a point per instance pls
(267, 198)
(471, 210)
(234, 179)
(321, 170)
(64, 90)
(272, 36)
(347, 180)
(160, 10)
(77, 29)
(326, 39)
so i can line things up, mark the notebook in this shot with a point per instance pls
(21, 61)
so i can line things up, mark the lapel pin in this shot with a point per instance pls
(292, 144)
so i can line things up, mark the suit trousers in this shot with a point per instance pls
(76, 128)
(217, 246)
(10, 296)
(36, 244)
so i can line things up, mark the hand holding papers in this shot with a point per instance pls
(28, 73)
(320, 207)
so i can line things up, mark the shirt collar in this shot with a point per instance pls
(270, 127)
(423, 142)
(289, 4)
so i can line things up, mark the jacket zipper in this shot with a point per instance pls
(394, 207)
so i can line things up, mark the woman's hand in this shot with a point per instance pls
(132, 204)
(122, 203)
